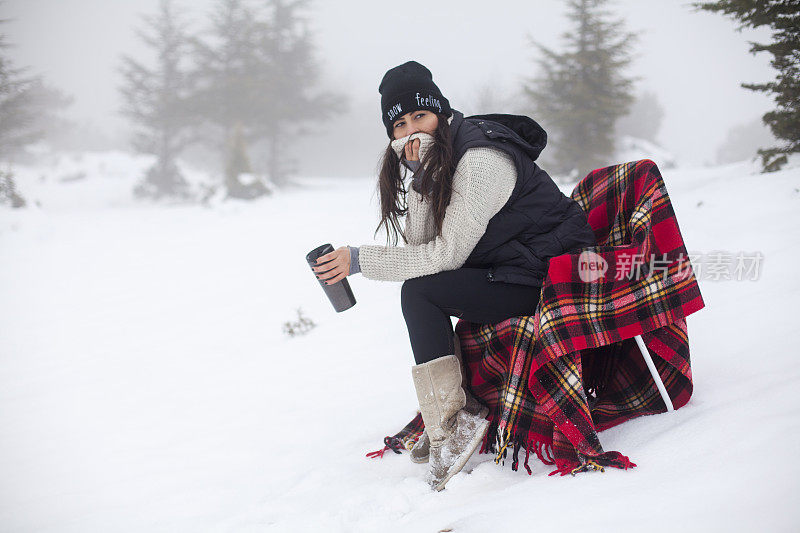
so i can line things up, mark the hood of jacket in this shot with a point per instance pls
(519, 129)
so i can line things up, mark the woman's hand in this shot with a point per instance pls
(412, 150)
(337, 269)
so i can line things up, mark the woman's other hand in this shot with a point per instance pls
(412, 150)
(337, 269)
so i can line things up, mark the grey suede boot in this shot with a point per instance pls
(453, 432)
(421, 450)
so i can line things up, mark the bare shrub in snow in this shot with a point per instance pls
(301, 326)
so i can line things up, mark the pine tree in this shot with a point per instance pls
(255, 71)
(783, 17)
(27, 104)
(293, 95)
(27, 107)
(228, 88)
(156, 101)
(583, 90)
(10, 86)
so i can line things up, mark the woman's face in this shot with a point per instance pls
(416, 121)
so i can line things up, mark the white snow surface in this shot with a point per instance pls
(146, 383)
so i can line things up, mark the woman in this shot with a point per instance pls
(482, 219)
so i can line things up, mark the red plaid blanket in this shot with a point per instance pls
(553, 380)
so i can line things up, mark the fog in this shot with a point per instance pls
(693, 61)
(169, 361)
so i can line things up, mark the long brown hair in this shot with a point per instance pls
(436, 184)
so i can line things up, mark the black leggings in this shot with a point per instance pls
(429, 301)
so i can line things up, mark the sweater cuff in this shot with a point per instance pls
(412, 165)
(418, 171)
(355, 267)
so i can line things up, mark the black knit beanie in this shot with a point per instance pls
(406, 88)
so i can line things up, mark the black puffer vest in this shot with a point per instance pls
(538, 221)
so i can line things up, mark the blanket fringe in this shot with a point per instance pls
(498, 441)
(610, 459)
(377, 454)
(547, 449)
(494, 442)
(502, 443)
(391, 443)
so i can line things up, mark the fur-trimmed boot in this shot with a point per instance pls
(420, 452)
(453, 432)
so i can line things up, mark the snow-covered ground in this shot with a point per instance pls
(146, 384)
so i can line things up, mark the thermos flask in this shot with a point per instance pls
(340, 294)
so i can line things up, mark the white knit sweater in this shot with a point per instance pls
(482, 184)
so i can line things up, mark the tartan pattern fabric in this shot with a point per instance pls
(553, 380)
(649, 283)
(405, 438)
(618, 376)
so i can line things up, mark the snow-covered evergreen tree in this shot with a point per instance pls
(229, 84)
(294, 97)
(156, 101)
(27, 103)
(783, 18)
(256, 73)
(27, 106)
(582, 91)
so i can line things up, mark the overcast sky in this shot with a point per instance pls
(694, 61)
